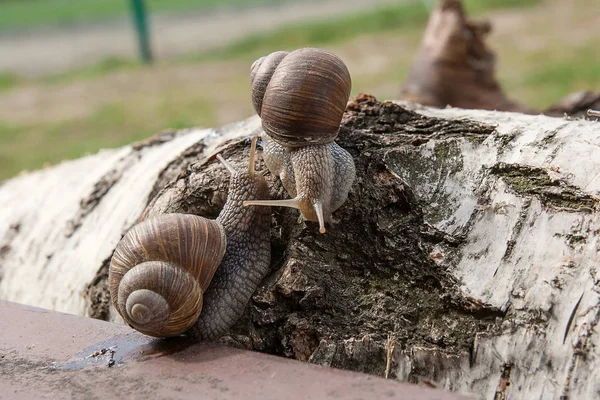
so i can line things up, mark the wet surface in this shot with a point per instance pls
(43, 353)
(118, 349)
(109, 353)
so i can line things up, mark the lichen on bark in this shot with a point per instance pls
(552, 191)
(335, 298)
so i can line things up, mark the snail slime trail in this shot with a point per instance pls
(301, 97)
(181, 273)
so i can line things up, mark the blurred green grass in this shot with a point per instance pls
(99, 69)
(405, 16)
(26, 14)
(124, 101)
(8, 81)
(556, 72)
(25, 146)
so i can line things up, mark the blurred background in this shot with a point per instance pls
(73, 77)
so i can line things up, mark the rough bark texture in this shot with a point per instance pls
(466, 256)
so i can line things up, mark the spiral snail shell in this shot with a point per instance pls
(161, 269)
(180, 273)
(300, 96)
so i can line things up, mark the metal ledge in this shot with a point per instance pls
(48, 354)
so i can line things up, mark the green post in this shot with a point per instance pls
(141, 26)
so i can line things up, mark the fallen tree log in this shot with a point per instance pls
(466, 256)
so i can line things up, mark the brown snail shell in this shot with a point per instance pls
(300, 96)
(160, 270)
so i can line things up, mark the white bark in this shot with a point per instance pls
(58, 225)
(550, 280)
(536, 260)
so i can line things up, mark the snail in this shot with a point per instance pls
(301, 97)
(181, 273)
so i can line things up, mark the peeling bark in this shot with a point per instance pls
(465, 258)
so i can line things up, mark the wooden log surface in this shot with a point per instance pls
(466, 256)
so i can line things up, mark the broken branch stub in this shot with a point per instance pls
(454, 65)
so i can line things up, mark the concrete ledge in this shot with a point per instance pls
(48, 354)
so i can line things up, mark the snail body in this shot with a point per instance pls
(301, 97)
(180, 273)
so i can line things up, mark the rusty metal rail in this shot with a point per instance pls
(48, 354)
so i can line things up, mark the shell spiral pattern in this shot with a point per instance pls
(161, 269)
(300, 96)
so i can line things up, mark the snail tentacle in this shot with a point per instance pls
(301, 98)
(248, 255)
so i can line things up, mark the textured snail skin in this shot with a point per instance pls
(176, 274)
(301, 97)
(279, 162)
(344, 173)
(246, 261)
(326, 174)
